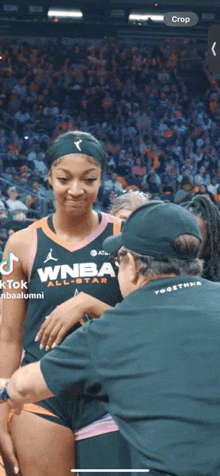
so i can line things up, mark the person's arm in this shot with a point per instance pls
(13, 315)
(68, 366)
(27, 385)
(66, 315)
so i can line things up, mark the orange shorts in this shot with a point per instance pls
(32, 408)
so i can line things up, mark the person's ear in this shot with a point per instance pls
(133, 271)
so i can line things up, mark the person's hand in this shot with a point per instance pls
(17, 407)
(14, 404)
(62, 319)
(6, 444)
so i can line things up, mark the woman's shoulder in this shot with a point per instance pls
(21, 236)
(116, 222)
(24, 237)
(111, 218)
(21, 243)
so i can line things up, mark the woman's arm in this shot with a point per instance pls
(13, 308)
(66, 315)
(13, 315)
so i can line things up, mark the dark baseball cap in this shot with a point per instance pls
(152, 228)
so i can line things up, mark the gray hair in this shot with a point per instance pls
(128, 201)
(150, 265)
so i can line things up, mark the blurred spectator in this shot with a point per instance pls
(184, 192)
(21, 118)
(3, 237)
(134, 182)
(15, 206)
(173, 172)
(217, 196)
(166, 181)
(189, 168)
(143, 121)
(213, 186)
(138, 170)
(123, 169)
(167, 193)
(112, 185)
(20, 89)
(198, 155)
(36, 199)
(206, 123)
(180, 127)
(151, 185)
(40, 165)
(203, 190)
(157, 178)
(22, 185)
(177, 150)
(15, 148)
(3, 208)
(202, 178)
(7, 174)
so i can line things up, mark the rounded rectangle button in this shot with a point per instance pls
(181, 19)
(214, 48)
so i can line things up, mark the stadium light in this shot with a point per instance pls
(208, 16)
(64, 13)
(10, 8)
(144, 17)
(36, 9)
(117, 13)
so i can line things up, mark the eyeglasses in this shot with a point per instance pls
(115, 258)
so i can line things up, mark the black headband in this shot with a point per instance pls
(71, 143)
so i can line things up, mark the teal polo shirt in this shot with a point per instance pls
(155, 360)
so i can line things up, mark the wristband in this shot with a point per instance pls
(3, 393)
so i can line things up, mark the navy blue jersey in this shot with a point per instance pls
(59, 270)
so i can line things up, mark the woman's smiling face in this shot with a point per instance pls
(75, 179)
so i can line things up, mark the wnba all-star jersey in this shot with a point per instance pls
(59, 270)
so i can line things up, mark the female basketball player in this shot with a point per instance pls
(63, 316)
(60, 259)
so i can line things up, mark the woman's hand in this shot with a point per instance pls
(6, 444)
(65, 316)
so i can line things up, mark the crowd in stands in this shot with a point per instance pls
(155, 109)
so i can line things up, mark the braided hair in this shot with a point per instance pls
(205, 209)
